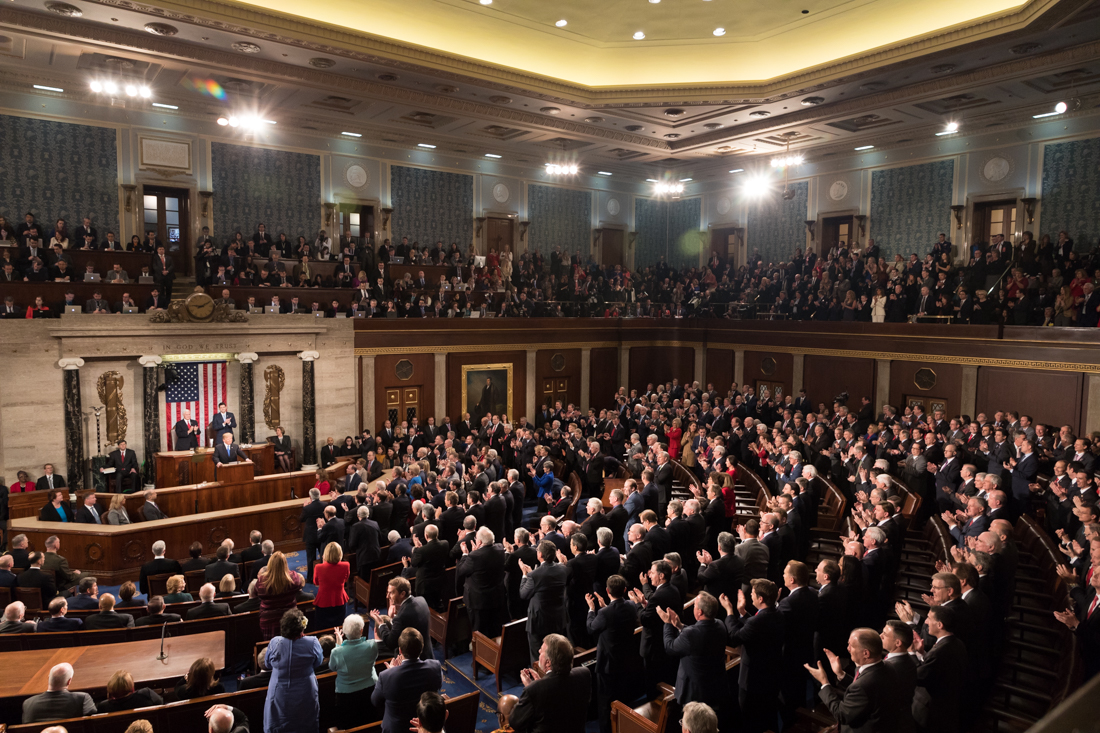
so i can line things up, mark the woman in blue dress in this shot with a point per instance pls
(292, 705)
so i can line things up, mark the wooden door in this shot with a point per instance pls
(836, 231)
(554, 389)
(776, 390)
(167, 212)
(994, 217)
(611, 247)
(402, 404)
(498, 234)
(725, 242)
(356, 217)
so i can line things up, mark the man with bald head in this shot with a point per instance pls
(57, 703)
(226, 719)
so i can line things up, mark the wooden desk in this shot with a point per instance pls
(53, 294)
(28, 504)
(234, 472)
(179, 468)
(609, 485)
(263, 455)
(27, 673)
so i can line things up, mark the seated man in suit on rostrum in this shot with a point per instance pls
(228, 452)
(57, 622)
(150, 510)
(127, 476)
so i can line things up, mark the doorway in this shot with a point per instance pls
(402, 404)
(775, 390)
(611, 247)
(994, 217)
(356, 217)
(725, 241)
(498, 234)
(555, 389)
(167, 213)
(836, 231)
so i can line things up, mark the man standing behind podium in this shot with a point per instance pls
(125, 463)
(224, 422)
(187, 432)
(227, 451)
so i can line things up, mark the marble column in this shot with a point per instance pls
(798, 373)
(530, 396)
(624, 369)
(1092, 408)
(701, 365)
(586, 379)
(969, 392)
(150, 420)
(309, 412)
(739, 368)
(440, 371)
(366, 387)
(247, 409)
(882, 384)
(74, 424)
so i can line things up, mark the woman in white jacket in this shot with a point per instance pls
(878, 307)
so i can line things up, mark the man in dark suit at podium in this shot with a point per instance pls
(223, 422)
(187, 432)
(227, 451)
(127, 478)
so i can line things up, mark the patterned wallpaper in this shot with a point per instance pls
(281, 189)
(667, 229)
(776, 227)
(429, 206)
(559, 216)
(910, 206)
(58, 171)
(1071, 191)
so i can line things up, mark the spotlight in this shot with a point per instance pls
(639, 36)
(785, 161)
(145, 92)
(1061, 107)
(554, 169)
(950, 129)
(96, 87)
(131, 90)
(234, 122)
(738, 170)
(110, 87)
(562, 23)
(666, 188)
(719, 31)
(486, 2)
(756, 186)
(865, 147)
(223, 121)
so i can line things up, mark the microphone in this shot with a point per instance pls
(163, 630)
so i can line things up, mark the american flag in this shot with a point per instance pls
(199, 387)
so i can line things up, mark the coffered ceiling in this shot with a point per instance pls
(315, 79)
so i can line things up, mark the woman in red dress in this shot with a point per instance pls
(331, 576)
(322, 484)
(674, 434)
(23, 485)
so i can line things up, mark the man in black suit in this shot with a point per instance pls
(941, 676)
(226, 451)
(330, 528)
(662, 478)
(254, 551)
(897, 637)
(49, 480)
(19, 552)
(209, 609)
(555, 698)
(1084, 623)
(221, 566)
(312, 510)
(159, 565)
(223, 422)
(640, 557)
(760, 636)
(187, 432)
(496, 508)
(725, 575)
(7, 577)
(196, 560)
(869, 700)
(108, 617)
(164, 272)
(946, 593)
(57, 622)
(583, 568)
(544, 589)
(430, 561)
(157, 616)
(799, 611)
(35, 577)
(405, 611)
(450, 520)
(832, 610)
(364, 541)
(480, 574)
(661, 594)
(701, 651)
(88, 512)
(616, 651)
(127, 476)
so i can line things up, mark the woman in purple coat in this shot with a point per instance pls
(292, 705)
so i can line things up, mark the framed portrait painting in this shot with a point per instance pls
(487, 389)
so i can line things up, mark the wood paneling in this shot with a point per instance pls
(825, 377)
(604, 375)
(948, 384)
(570, 372)
(719, 369)
(385, 376)
(518, 359)
(1055, 398)
(783, 374)
(660, 364)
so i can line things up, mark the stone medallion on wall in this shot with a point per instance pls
(557, 362)
(501, 193)
(613, 207)
(996, 167)
(724, 205)
(356, 176)
(924, 379)
(838, 190)
(404, 370)
(768, 366)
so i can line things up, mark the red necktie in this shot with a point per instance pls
(857, 675)
(1088, 576)
(1092, 606)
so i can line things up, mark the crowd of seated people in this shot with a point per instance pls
(689, 569)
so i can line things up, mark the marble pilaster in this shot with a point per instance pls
(150, 418)
(309, 411)
(247, 408)
(74, 423)
(586, 378)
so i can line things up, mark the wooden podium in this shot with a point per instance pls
(234, 472)
(184, 467)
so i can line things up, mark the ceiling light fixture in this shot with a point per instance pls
(685, 180)
(48, 89)
(352, 134)
(865, 147)
(110, 87)
(562, 23)
(651, 180)
(131, 90)
(1059, 109)
(663, 188)
(603, 173)
(493, 155)
(756, 186)
(223, 121)
(165, 106)
(639, 36)
(486, 2)
(145, 92)
(950, 129)
(234, 122)
(425, 145)
(719, 31)
(96, 87)
(785, 161)
(554, 169)
(738, 170)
